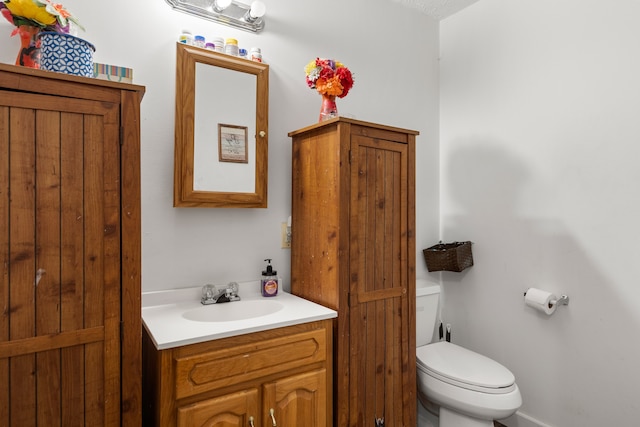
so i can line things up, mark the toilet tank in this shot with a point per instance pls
(427, 297)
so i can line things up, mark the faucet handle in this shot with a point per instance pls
(232, 291)
(208, 293)
(232, 287)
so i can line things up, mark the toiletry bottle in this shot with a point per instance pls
(218, 43)
(186, 37)
(231, 47)
(255, 54)
(269, 282)
(199, 41)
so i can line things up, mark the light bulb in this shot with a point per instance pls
(258, 9)
(220, 5)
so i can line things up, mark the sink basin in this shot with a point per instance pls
(233, 311)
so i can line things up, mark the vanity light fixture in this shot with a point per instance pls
(227, 12)
(255, 12)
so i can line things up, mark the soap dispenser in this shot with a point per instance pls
(269, 282)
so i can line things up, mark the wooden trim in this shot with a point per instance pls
(38, 81)
(4, 252)
(379, 294)
(344, 120)
(131, 260)
(410, 394)
(26, 346)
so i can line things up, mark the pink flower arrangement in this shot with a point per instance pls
(329, 77)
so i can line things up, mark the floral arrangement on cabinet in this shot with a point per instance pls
(42, 14)
(331, 79)
(30, 17)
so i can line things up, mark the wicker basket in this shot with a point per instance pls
(454, 256)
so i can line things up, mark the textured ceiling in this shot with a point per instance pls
(437, 9)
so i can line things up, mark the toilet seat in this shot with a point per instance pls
(464, 368)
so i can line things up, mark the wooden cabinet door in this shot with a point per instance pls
(298, 400)
(232, 410)
(379, 304)
(60, 261)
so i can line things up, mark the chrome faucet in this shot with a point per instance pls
(212, 295)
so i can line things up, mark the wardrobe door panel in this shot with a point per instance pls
(379, 281)
(60, 294)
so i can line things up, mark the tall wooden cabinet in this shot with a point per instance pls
(353, 250)
(70, 324)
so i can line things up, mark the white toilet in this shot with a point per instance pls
(464, 388)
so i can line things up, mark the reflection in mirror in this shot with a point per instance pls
(212, 168)
(221, 130)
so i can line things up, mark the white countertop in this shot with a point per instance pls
(162, 315)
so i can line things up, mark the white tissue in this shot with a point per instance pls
(541, 300)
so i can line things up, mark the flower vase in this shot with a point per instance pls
(328, 109)
(29, 53)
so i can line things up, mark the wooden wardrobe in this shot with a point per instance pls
(70, 323)
(353, 250)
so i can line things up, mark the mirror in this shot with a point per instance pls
(221, 130)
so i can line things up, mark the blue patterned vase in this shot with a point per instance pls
(65, 53)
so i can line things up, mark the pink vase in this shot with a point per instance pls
(328, 109)
(29, 53)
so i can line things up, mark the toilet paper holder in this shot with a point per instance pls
(563, 300)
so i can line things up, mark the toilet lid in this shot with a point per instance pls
(459, 366)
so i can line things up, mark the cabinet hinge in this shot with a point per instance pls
(121, 332)
(349, 156)
(121, 135)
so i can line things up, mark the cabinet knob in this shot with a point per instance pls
(251, 422)
(273, 418)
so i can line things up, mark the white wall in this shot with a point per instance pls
(540, 142)
(539, 146)
(392, 52)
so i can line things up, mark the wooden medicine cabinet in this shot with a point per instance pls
(221, 130)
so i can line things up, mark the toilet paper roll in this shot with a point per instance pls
(541, 300)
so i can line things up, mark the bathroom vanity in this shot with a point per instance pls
(250, 366)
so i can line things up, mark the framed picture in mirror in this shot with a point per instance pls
(232, 143)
